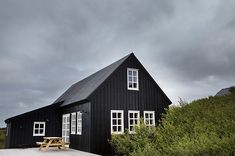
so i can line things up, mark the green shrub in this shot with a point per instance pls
(2, 138)
(203, 127)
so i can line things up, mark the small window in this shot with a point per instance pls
(117, 123)
(132, 79)
(149, 118)
(79, 123)
(39, 129)
(73, 123)
(134, 120)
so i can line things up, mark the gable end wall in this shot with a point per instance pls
(113, 95)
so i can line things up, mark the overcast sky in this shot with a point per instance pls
(46, 46)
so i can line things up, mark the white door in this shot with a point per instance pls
(65, 127)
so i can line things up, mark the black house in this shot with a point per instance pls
(106, 102)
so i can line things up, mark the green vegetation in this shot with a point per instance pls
(203, 127)
(2, 137)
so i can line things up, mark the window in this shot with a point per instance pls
(134, 119)
(149, 118)
(79, 123)
(117, 123)
(132, 79)
(73, 123)
(39, 128)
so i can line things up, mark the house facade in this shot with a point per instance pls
(107, 102)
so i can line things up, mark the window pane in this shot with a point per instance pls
(130, 78)
(79, 115)
(147, 121)
(119, 115)
(119, 122)
(131, 122)
(129, 72)
(146, 115)
(41, 125)
(134, 73)
(131, 128)
(114, 122)
(136, 115)
(134, 85)
(151, 115)
(114, 128)
(36, 131)
(36, 125)
(136, 122)
(114, 115)
(135, 79)
(151, 122)
(130, 85)
(41, 131)
(119, 128)
(131, 115)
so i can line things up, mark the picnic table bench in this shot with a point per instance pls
(52, 142)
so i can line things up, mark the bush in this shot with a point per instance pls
(203, 127)
(2, 137)
(127, 143)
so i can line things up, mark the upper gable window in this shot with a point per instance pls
(132, 79)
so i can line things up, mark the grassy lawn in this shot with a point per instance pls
(2, 137)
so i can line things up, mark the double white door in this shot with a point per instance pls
(65, 127)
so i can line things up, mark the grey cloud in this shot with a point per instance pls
(45, 46)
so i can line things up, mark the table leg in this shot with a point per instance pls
(48, 144)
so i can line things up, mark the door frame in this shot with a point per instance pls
(66, 138)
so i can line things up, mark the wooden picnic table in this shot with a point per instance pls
(52, 142)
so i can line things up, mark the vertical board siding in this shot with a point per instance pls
(21, 131)
(80, 142)
(113, 95)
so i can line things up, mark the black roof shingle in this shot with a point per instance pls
(82, 89)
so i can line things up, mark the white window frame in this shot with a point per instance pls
(132, 77)
(79, 126)
(133, 118)
(122, 122)
(153, 118)
(73, 123)
(39, 123)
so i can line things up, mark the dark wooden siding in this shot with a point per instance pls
(113, 95)
(21, 129)
(80, 142)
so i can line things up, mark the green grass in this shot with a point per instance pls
(2, 137)
(202, 127)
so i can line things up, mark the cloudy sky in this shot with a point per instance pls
(45, 46)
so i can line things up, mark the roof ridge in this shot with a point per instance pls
(104, 68)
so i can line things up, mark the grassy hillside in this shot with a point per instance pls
(203, 127)
(2, 137)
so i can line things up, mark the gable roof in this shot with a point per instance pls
(82, 89)
(224, 91)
